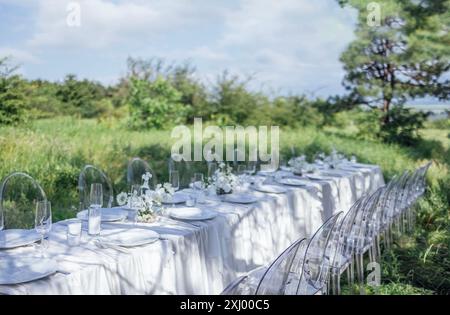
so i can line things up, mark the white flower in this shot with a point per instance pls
(147, 176)
(122, 198)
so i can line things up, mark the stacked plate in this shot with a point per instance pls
(271, 189)
(15, 238)
(176, 199)
(108, 215)
(240, 198)
(290, 181)
(191, 213)
(317, 177)
(128, 238)
(25, 269)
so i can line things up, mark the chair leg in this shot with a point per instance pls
(360, 272)
(337, 281)
(378, 246)
(371, 254)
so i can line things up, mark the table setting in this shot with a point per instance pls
(169, 240)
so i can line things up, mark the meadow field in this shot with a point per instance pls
(55, 150)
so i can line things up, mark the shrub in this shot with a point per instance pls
(154, 104)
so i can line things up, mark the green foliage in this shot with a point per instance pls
(402, 126)
(232, 102)
(80, 97)
(405, 57)
(440, 124)
(154, 104)
(12, 95)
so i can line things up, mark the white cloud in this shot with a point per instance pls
(105, 23)
(293, 44)
(18, 55)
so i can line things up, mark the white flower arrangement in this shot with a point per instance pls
(148, 201)
(224, 181)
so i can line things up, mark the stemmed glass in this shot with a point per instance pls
(2, 224)
(174, 179)
(212, 168)
(95, 204)
(43, 221)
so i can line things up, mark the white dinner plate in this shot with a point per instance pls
(176, 199)
(272, 189)
(191, 213)
(240, 198)
(108, 215)
(316, 177)
(128, 238)
(15, 238)
(291, 181)
(25, 269)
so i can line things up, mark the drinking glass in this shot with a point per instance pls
(74, 232)
(43, 220)
(136, 192)
(96, 195)
(174, 179)
(95, 214)
(241, 169)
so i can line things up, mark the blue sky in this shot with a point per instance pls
(290, 45)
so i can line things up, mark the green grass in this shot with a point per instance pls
(54, 151)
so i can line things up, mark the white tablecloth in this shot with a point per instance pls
(200, 257)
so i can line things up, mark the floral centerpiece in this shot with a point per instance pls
(223, 181)
(148, 203)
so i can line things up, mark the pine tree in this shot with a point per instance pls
(401, 52)
(12, 95)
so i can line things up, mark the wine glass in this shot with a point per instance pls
(174, 179)
(197, 181)
(212, 168)
(43, 220)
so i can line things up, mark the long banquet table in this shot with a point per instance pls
(199, 257)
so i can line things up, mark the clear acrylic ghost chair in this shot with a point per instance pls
(136, 168)
(185, 171)
(277, 278)
(238, 287)
(312, 265)
(343, 260)
(271, 280)
(417, 189)
(19, 193)
(90, 175)
(386, 208)
(365, 242)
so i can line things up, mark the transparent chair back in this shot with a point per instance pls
(344, 228)
(19, 193)
(90, 175)
(238, 287)
(314, 266)
(185, 171)
(136, 169)
(276, 277)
